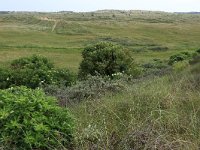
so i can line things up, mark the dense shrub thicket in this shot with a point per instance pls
(105, 59)
(31, 120)
(34, 71)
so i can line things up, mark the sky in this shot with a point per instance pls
(92, 5)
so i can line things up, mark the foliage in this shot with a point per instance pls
(33, 72)
(194, 78)
(195, 59)
(156, 67)
(153, 114)
(198, 51)
(156, 63)
(180, 66)
(33, 62)
(179, 57)
(159, 48)
(31, 120)
(92, 88)
(105, 59)
(4, 78)
(64, 77)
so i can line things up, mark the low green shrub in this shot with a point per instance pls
(92, 88)
(31, 120)
(180, 66)
(64, 77)
(33, 62)
(33, 72)
(198, 51)
(4, 78)
(156, 67)
(195, 60)
(159, 48)
(194, 78)
(179, 57)
(156, 63)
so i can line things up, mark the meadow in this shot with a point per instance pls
(155, 111)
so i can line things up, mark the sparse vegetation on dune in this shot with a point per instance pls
(136, 87)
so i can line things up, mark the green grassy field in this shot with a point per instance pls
(62, 36)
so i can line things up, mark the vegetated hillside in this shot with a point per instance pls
(61, 36)
(157, 110)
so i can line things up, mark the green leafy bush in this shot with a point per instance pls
(34, 71)
(159, 48)
(92, 88)
(31, 120)
(64, 77)
(33, 62)
(179, 57)
(180, 66)
(198, 51)
(196, 75)
(156, 63)
(31, 71)
(4, 78)
(105, 59)
(196, 58)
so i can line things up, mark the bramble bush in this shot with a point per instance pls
(31, 120)
(105, 59)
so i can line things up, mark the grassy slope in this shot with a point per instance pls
(62, 36)
(161, 113)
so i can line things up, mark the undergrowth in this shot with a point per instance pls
(161, 113)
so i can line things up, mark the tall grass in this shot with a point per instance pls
(161, 113)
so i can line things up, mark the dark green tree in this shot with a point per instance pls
(106, 59)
